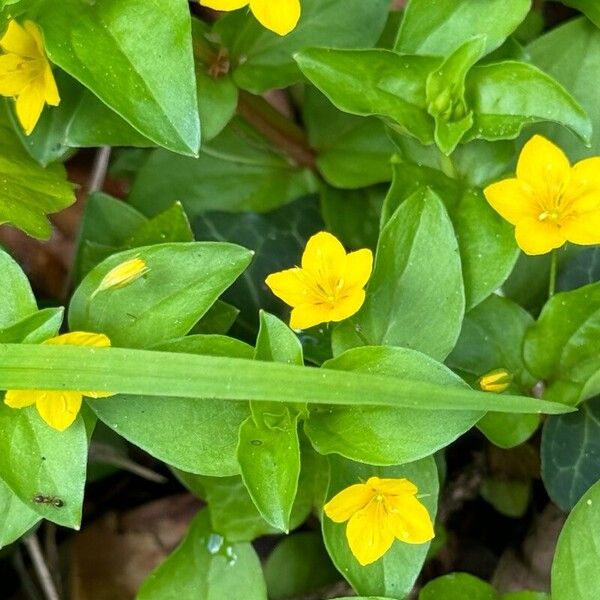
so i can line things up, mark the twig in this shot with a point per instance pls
(99, 170)
(27, 584)
(41, 568)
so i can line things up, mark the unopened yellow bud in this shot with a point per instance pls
(123, 274)
(496, 381)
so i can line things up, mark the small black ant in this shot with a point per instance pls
(50, 500)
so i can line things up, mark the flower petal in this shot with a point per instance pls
(20, 398)
(19, 41)
(368, 534)
(80, 338)
(51, 91)
(294, 287)
(347, 306)
(538, 237)
(30, 103)
(358, 269)
(325, 259)
(36, 35)
(225, 5)
(305, 316)
(545, 167)
(15, 74)
(512, 200)
(583, 229)
(59, 409)
(347, 502)
(280, 16)
(393, 487)
(409, 520)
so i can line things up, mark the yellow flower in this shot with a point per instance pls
(378, 512)
(25, 73)
(280, 16)
(328, 286)
(59, 408)
(549, 201)
(123, 274)
(495, 381)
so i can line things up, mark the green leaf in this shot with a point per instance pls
(218, 320)
(382, 577)
(458, 586)
(574, 66)
(259, 178)
(488, 251)
(263, 60)
(502, 107)
(182, 283)
(206, 565)
(28, 192)
(151, 87)
(35, 328)
(575, 565)
(16, 519)
(169, 226)
(563, 347)
(589, 8)
(385, 436)
(412, 278)
(36, 459)
(492, 338)
(277, 238)
(306, 564)
(570, 454)
(269, 449)
(441, 31)
(16, 298)
(352, 152)
(580, 269)
(353, 216)
(207, 443)
(445, 93)
(374, 82)
(510, 497)
(171, 374)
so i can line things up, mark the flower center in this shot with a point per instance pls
(550, 215)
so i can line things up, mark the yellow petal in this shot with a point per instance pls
(347, 502)
(225, 5)
(358, 269)
(294, 287)
(280, 16)
(30, 104)
(97, 395)
(409, 520)
(513, 200)
(545, 167)
(50, 90)
(19, 41)
(305, 316)
(123, 274)
(368, 534)
(345, 307)
(36, 35)
(583, 228)
(20, 398)
(393, 487)
(496, 381)
(80, 338)
(325, 259)
(538, 237)
(59, 409)
(15, 74)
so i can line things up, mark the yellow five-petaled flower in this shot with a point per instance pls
(378, 512)
(329, 284)
(549, 201)
(280, 16)
(25, 73)
(59, 408)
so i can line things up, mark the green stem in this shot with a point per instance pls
(447, 166)
(553, 269)
(358, 330)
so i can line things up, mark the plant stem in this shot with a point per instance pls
(553, 268)
(41, 568)
(358, 330)
(447, 166)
